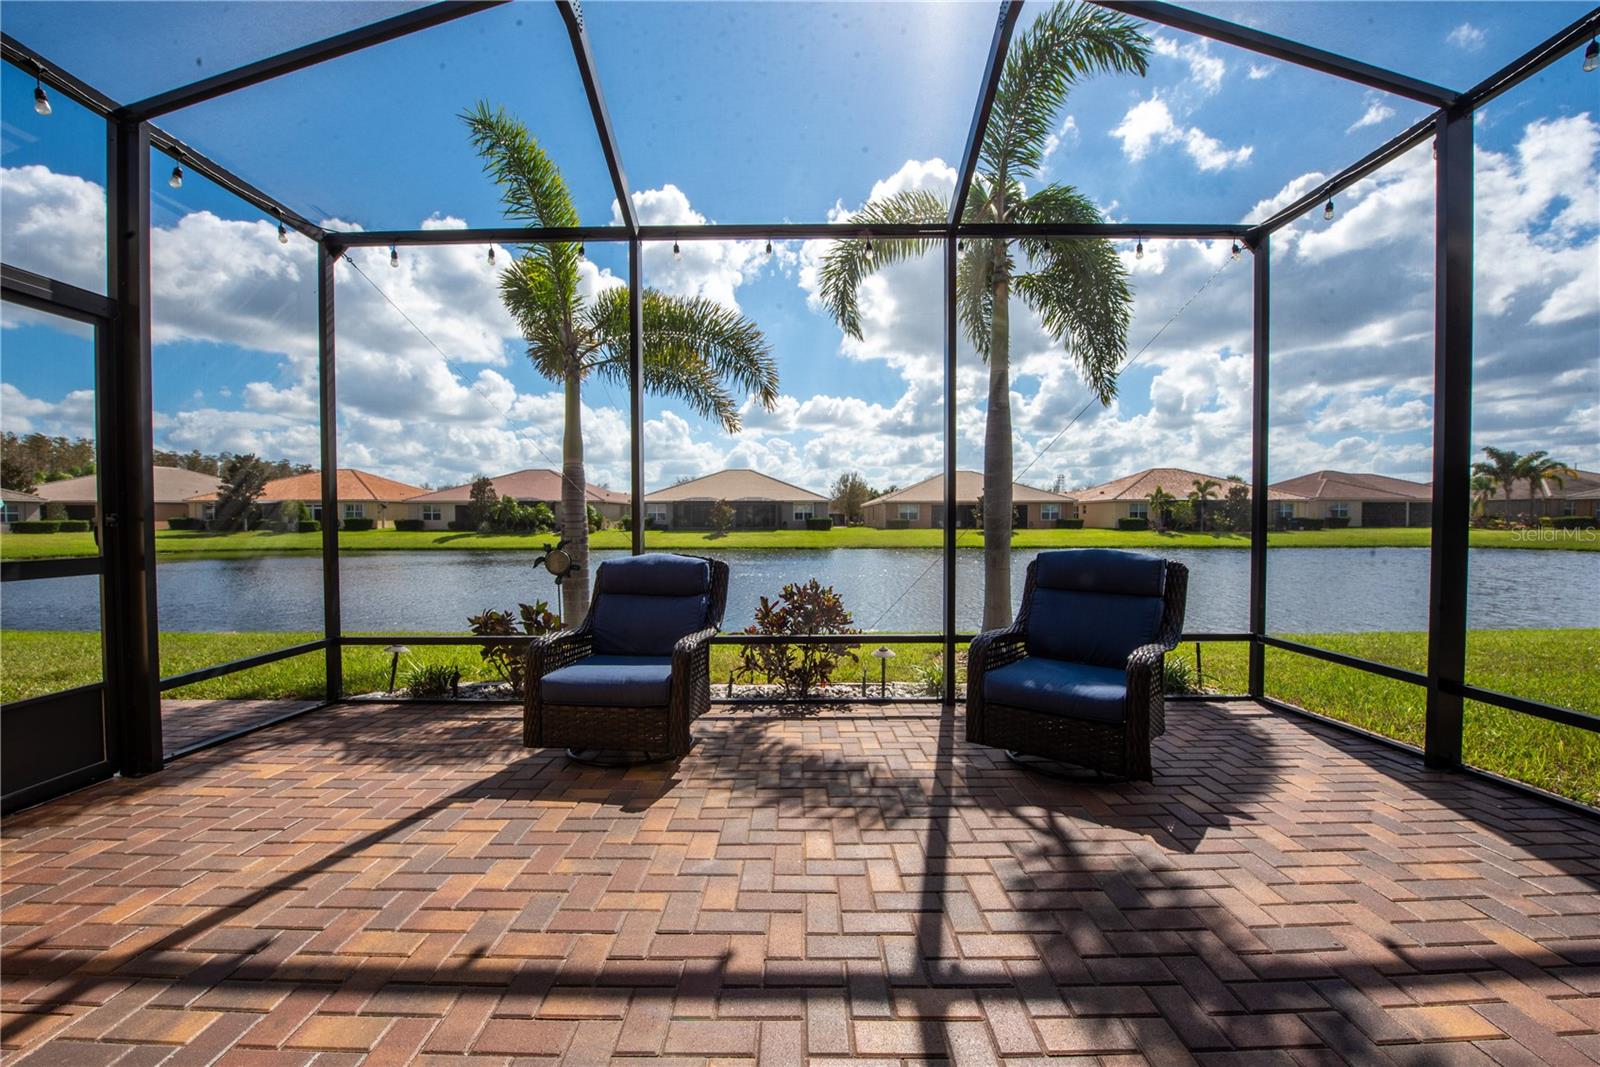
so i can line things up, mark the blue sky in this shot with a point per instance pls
(799, 111)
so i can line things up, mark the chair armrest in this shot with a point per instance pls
(1144, 708)
(988, 651)
(554, 651)
(690, 694)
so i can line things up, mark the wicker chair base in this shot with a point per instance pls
(1096, 746)
(1061, 770)
(610, 757)
(606, 728)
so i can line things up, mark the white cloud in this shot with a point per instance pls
(1468, 37)
(1205, 70)
(1150, 123)
(1259, 71)
(1377, 112)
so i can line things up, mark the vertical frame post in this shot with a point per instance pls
(950, 340)
(1260, 513)
(126, 481)
(327, 374)
(1452, 439)
(636, 390)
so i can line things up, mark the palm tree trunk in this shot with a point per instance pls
(574, 513)
(997, 611)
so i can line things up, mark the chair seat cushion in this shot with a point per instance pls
(1056, 687)
(624, 681)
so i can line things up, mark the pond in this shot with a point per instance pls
(1310, 589)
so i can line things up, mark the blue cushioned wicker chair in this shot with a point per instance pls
(637, 672)
(1078, 677)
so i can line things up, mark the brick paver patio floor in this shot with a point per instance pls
(388, 884)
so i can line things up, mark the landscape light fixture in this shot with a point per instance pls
(394, 256)
(176, 181)
(395, 652)
(1327, 210)
(41, 99)
(883, 654)
(1591, 58)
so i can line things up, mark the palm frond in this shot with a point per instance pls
(543, 310)
(1067, 43)
(848, 262)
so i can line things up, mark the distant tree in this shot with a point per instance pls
(721, 517)
(850, 496)
(1235, 507)
(597, 521)
(1483, 490)
(1504, 468)
(16, 473)
(1160, 502)
(55, 510)
(1204, 489)
(482, 500)
(1538, 468)
(244, 479)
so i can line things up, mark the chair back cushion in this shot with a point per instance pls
(1095, 605)
(644, 604)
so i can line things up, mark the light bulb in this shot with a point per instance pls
(176, 181)
(677, 253)
(769, 247)
(491, 255)
(41, 100)
(1138, 249)
(582, 252)
(1591, 57)
(1327, 211)
(283, 233)
(1236, 250)
(869, 246)
(961, 246)
(394, 256)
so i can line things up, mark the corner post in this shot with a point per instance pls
(1452, 439)
(332, 627)
(127, 483)
(950, 341)
(1260, 514)
(636, 390)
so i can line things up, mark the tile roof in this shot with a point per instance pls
(1580, 487)
(736, 483)
(1342, 485)
(1174, 480)
(353, 485)
(969, 486)
(538, 483)
(173, 485)
(20, 497)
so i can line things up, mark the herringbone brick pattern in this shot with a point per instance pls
(385, 885)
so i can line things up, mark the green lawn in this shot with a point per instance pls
(1556, 666)
(185, 544)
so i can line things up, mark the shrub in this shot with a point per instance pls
(1069, 524)
(357, 524)
(433, 680)
(819, 524)
(897, 524)
(1336, 523)
(1306, 524)
(55, 511)
(1177, 676)
(808, 608)
(1561, 522)
(930, 677)
(1133, 524)
(510, 659)
(74, 526)
(462, 525)
(721, 517)
(409, 525)
(597, 521)
(625, 523)
(310, 526)
(36, 526)
(184, 522)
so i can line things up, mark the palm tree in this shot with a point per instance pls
(1204, 489)
(1504, 468)
(1483, 489)
(1078, 288)
(695, 350)
(1538, 468)
(1160, 505)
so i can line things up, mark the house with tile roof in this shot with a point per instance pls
(173, 488)
(17, 506)
(440, 508)
(759, 502)
(1106, 504)
(1577, 494)
(921, 506)
(1361, 499)
(361, 494)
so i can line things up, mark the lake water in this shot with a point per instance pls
(1310, 589)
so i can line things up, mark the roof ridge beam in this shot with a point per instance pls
(572, 15)
(999, 45)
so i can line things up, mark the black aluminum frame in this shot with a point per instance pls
(129, 560)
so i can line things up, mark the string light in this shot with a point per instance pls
(41, 99)
(1236, 250)
(869, 245)
(491, 255)
(961, 246)
(1591, 57)
(176, 181)
(283, 233)
(582, 252)
(1327, 210)
(394, 256)
(1138, 249)
(677, 253)
(769, 246)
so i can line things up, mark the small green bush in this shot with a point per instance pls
(1560, 522)
(819, 524)
(1069, 524)
(897, 524)
(433, 679)
(357, 524)
(1133, 524)
(36, 526)
(74, 526)
(409, 525)
(462, 525)
(1178, 676)
(185, 522)
(1336, 523)
(310, 526)
(1307, 524)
